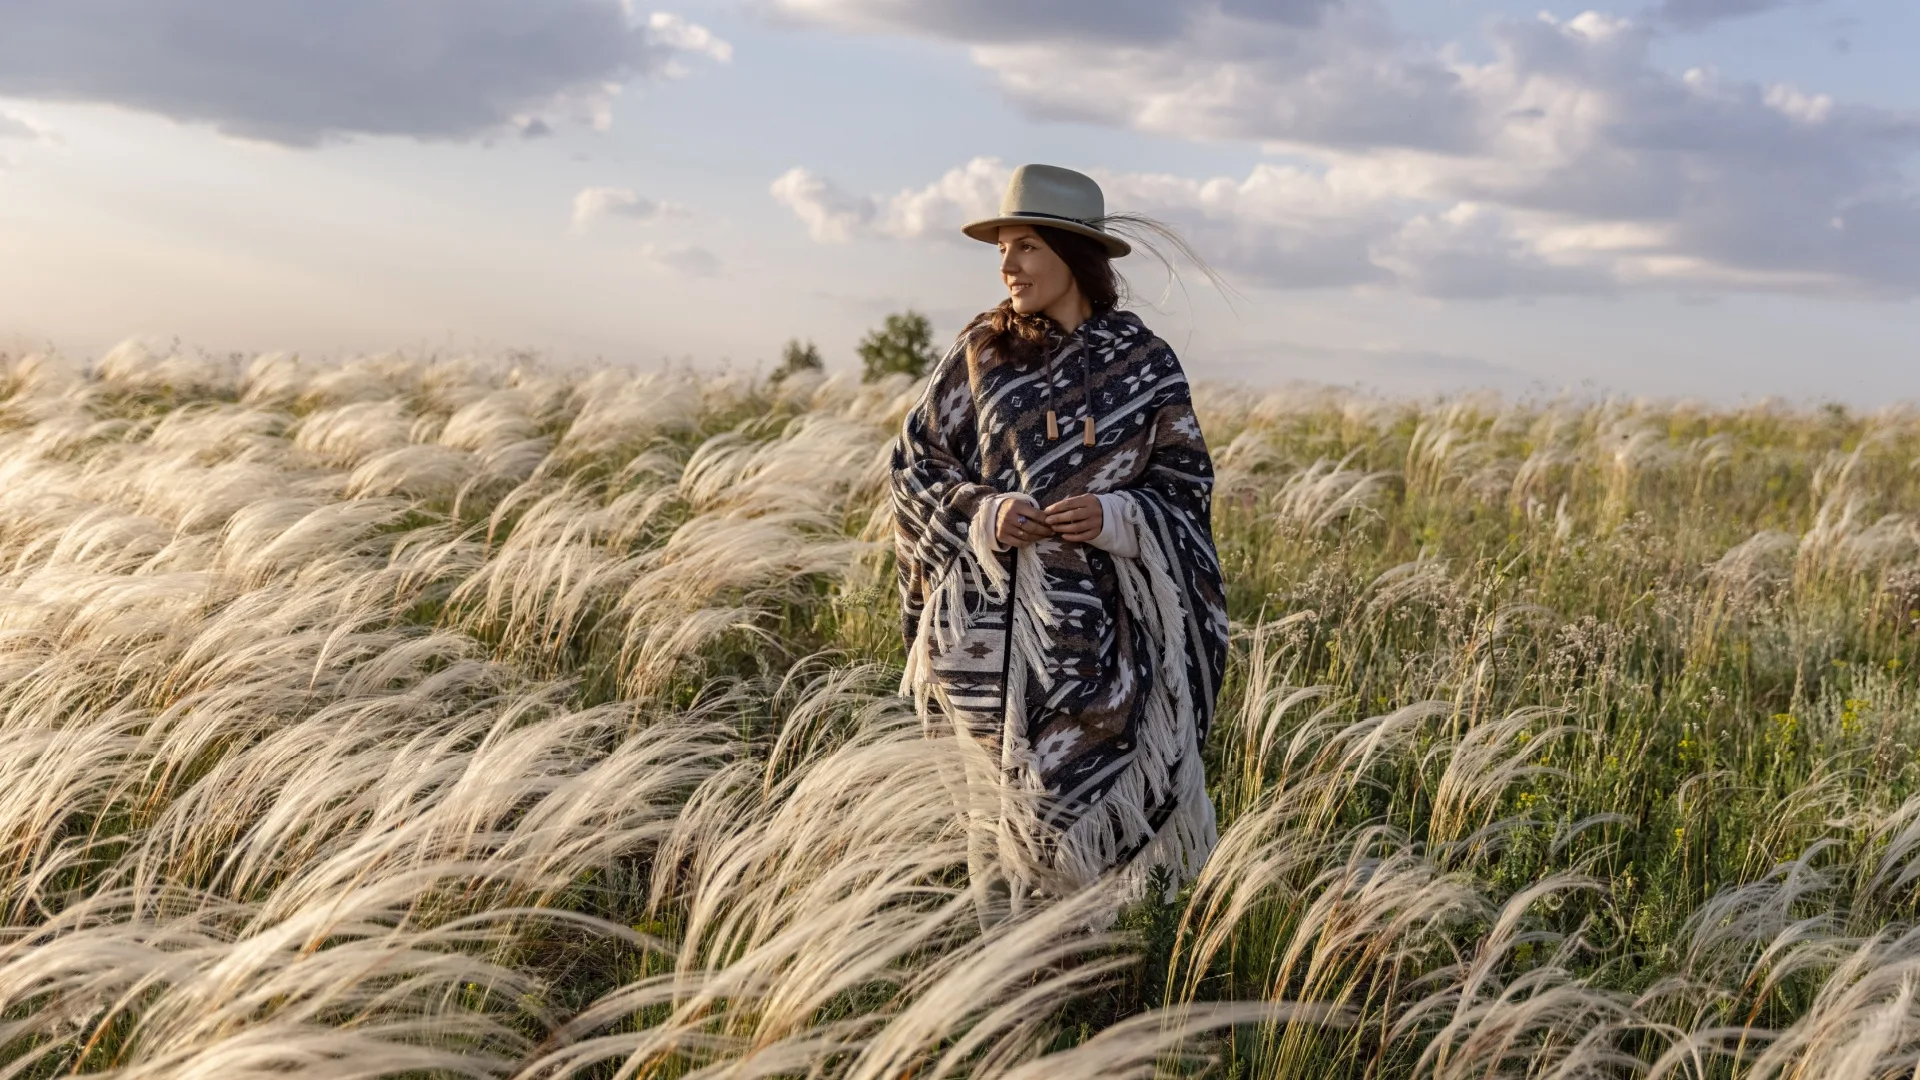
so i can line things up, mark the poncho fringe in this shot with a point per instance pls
(1168, 762)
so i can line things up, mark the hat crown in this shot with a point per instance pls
(1051, 191)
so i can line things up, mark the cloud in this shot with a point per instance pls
(300, 73)
(1115, 21)
(1693, 14)
(830, 214)
(683, 259)
(1280, 226)
(1331, 71)
(1567, 161)
(593, 204)
(19, 127)
(677, 33)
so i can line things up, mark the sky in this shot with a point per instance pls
(1714, 199)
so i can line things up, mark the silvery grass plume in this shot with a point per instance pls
(829, 929)
(1326, 493)
(1368, 920)
(457, 716)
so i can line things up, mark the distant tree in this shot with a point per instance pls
(796, 358)
(904, 344)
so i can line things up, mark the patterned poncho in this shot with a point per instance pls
(1091, 676)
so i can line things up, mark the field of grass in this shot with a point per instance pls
(436, 718)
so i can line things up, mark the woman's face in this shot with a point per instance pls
(1036, 278)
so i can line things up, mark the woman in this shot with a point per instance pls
(1061, 592)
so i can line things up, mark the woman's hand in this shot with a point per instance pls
(1020, 523)
(1077, 519)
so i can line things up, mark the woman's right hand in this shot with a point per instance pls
(1021, 523)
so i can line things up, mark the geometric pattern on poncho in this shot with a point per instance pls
(1092, 677)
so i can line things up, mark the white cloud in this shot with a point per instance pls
(677, 33)
(1568, 161)
(685, 259)
(1354, 224)
(300, 73)
(1280, 226)
(592, 204)
(968, 193)
(831, 216)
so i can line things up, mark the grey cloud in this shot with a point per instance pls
(1693, 14)
(683, 259)
(999, 21)
(299, 72)
(1344, 79)
(19, 128)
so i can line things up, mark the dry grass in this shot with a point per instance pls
(416, 717)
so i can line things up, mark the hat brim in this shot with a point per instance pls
(988, 231)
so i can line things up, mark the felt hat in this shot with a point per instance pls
(1055, 197)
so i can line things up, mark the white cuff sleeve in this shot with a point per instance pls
(1117, 526)
(989, 513)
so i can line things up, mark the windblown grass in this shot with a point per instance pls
(433, 718)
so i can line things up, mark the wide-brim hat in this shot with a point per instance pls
(1055, 197)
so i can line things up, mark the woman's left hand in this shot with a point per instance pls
(1078, 519)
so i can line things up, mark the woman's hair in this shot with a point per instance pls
(1021, 338)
